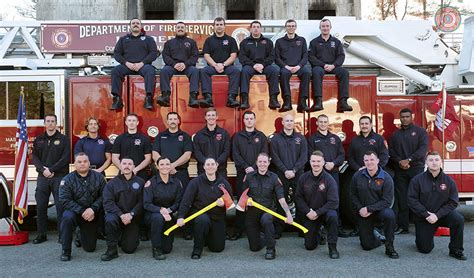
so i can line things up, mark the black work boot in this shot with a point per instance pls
(342, 105)
(270, 254)
(317, 104)
(302, 105)
(110, 254)
(207, 101)
(164, 99)
(196, 254)
(457, 254)
(66, 255)
(286, 104)
(231, 101)
(77, 238)
(333, 253)
(390, 251)
(40, 238)
(117, 103)
(158, 254)
(148, 102)
(193, 102)
(273, 103)
(244, 102)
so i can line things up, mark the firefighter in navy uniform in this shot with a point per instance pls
(208, 228)
(372, 197)
(265, 188)
(135, 52)
(180, 55)
(123, 206)
(161, 197)
(257, 56)
(317, 198)
(289, 152)
(220, 51)
(51, 151)
(80, 194)
(407, 148)
(291, 55)
(326, 55)
(212, 141)
(246, 145)
(433, 198)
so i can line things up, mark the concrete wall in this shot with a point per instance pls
(199, 10)
(84, 9)
(282, 9)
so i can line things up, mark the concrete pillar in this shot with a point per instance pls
(82, 10)
(199, 10)
(344, 7)
(282, 9)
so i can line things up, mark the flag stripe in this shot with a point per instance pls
(21, 162)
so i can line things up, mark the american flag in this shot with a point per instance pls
(21, 162)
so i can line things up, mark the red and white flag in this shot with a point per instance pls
(21, 162)
(447, 119)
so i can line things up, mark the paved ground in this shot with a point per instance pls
(237, 261)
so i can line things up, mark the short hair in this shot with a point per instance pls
(180, 22)
(290, 21)
(173, 113)
(265, 155)
(318, 153)
(80, 154)
(210, 157)
(249, 113)
(51, 115)
(406, 110)
(323, 116)
(368, 153)
(131, 115)
(162, 158)
(127, 157)
(325, 20)
(255, 22)
(219, 18)
(91, 119)
(365, 117)
(133, 18)
(432, 153)
(210, 109)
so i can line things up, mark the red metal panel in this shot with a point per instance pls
(90, 96)
(388, 114)
(467, 143)
(8, 141)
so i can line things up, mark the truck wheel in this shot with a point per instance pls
(4, 207)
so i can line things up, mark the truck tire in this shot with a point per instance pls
(4, 207)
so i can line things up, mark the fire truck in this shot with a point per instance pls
(64, 68)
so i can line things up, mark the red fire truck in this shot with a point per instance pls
(63, 67)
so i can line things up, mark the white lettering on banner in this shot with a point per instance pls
(86, 31)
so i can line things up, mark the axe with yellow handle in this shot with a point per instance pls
(277, 215)
(192, 216)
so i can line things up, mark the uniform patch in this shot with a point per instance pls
(443, 187)
(256, 140)
(57, 142)
(332, 140)
(298, 43)
(225, 42)
(378, 182)
(147, 184)
(136, 185)
(372, 141)
(264, 42)
(321, 187)
(333, 44)
(180, 138)
(62, 182)
(137, 142)
(218, 137)
(298, 141)
(142, 38)
(413, 133)
(187, 44)
(100, 142)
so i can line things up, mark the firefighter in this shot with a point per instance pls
(212, 141)
(326, 55)
(289, 153)
(265, 188)
(372, 197)
(291, 55)
(220, 51)
(433, 198)
(135, 52)
(133, 144)
(317, 198)
(180, 55)
(256, 56)
(407, 148)
(246, 145)
(161, 197)
(50, 156)
(123, 206)
(208, 228)
(97, 148)
(80, 194)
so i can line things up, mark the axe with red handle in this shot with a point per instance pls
(242, 204)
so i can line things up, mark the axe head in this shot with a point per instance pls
(228, 201)
(242, 204)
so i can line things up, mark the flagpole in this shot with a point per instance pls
(443, 115)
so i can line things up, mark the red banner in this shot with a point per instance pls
(101, 37)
